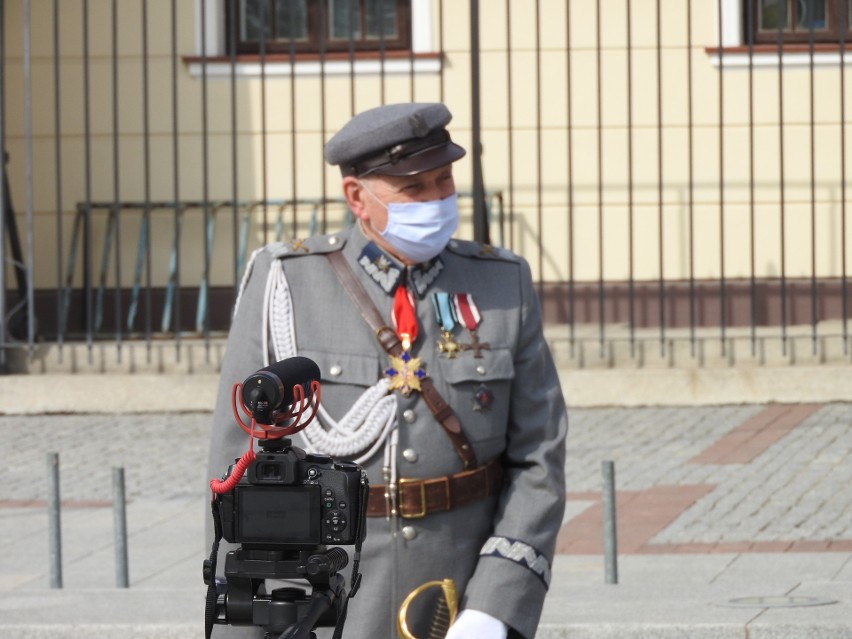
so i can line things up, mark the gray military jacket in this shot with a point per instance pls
(499, 549)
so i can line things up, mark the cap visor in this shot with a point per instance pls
(423, 161)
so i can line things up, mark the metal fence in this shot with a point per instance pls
(674, 172)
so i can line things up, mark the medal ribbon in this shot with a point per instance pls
(444, 313)
(466, 310)
(403, 317)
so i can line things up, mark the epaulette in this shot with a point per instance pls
(314, 245)
(467, 248)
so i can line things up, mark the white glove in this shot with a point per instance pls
(473, 624)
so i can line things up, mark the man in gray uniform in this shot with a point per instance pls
(453, 408)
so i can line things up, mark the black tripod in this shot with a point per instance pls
(288, 613)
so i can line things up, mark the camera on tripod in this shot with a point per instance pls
(293, 500)
(283, 507)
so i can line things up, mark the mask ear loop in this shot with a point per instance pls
(363, 184)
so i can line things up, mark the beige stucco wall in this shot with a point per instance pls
(539, 190)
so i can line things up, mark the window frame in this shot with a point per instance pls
(317, 17)
(830, 35)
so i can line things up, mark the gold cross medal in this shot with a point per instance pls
(405, 371)
(446, 317)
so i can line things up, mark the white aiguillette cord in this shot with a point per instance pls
(365, 427)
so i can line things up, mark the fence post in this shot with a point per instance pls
(480, 216)
(120, 526)
(53, 518)
(609, 524)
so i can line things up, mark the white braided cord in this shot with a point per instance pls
(366, 425)
(244, 281)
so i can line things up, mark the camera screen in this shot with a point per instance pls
(279, 514)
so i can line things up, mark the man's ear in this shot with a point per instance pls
(353, 191)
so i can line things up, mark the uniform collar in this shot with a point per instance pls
(388, 273)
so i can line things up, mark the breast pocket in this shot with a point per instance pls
(344, 377)
(479, 391)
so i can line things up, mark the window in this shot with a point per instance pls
(798, 21)
(314, 26)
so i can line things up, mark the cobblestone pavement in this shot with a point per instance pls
(792, 489)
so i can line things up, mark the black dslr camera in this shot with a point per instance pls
(283, 507)
(293, 499)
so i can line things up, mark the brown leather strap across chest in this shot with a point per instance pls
(416, 498)
(391, 344)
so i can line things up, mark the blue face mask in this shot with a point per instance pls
(420, 230)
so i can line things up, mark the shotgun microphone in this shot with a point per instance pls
(271, 388)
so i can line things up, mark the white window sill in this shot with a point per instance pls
(219, 68)
(737, 58)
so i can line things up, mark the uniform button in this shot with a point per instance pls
(410, 455)
(332, 240)
(409, 532)
(409, 416)
(480, 369)
(335, 370)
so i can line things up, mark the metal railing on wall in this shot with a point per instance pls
(559, 66)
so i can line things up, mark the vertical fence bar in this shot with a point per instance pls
(88, 315)
(235, 207)
(382, 51)
(324, 20)
(782, 18)
(54, 520)
(810, 9)
(844, 25)
(119, 509)
(722, 275)
(28, 177)
(264, 22)
(690, 180)
(569, 152)
(751, 199)
(411, 56)
(57, 149)
(610, 528)
(441, 87)
(660, 211)
(202, 317)
(510, 138)
(480, 223)
(114, 214)
(177, 211)
(631, 279)
(599, 115)
(293, 146)
(538, 142)
(146, 164)
(350, 27)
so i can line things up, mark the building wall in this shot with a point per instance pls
(577, 194)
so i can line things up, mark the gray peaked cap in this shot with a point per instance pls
(394, 139)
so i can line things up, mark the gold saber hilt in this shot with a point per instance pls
(445, 611)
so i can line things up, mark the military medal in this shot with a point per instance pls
(405, 371)
(468, 314)
(446, 317)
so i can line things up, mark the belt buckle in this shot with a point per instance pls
(418, 515)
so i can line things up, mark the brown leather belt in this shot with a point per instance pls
(420, 497)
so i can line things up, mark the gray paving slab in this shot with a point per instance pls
(797, 490)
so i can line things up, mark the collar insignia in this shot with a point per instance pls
(423, 275)
(381, 268)
(388, 273)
